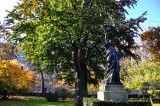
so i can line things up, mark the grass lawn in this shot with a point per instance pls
(32, 101)
(36, 101)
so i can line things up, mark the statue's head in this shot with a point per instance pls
(111, 42)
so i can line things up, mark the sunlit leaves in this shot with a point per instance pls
(144, 76)
(71, 32)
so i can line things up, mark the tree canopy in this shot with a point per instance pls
(71, 33)
(151, 42)
(7, 51)
(144, 76)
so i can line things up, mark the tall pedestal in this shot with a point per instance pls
(112, 92)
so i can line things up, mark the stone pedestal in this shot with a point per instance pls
(112, 92)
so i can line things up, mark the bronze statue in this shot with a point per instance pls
(111, 74)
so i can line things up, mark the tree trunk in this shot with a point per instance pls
(43, 87)
(78, 99)
(85, 79)
(5, 94)
(80, 68)
(81, 85)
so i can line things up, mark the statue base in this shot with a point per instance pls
(112, 92)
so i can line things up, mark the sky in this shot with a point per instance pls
(6, 5)
(153, 12)
(152, 6)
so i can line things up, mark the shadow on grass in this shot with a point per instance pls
(33, 101)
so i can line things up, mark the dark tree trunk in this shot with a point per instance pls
(5, 94)
(81, 86)
(43, 87)
(79, 90)
(85, 79)
(81, 71)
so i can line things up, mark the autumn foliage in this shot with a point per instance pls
(151, 40)
(13, 78)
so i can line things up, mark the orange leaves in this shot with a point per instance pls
(34, 6)
(30, 8)
(27, 12)
(25, 1)
(151, 40)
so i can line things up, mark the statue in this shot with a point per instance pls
(112, 69)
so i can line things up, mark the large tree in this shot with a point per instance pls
(71, 33)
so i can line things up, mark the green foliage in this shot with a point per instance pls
(52, 97)
(63, 93)
(59, 94)
(144, 76)
(52, 26)
(96, 102)
(71, 32)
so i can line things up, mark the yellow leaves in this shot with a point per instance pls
(146, 73)
(61, 31)
(13, 76)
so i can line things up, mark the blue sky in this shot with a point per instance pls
(153, 14)
(152, 6)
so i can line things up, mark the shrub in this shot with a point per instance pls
(63, 93)
(59, 94)
(96, 102)
(52, 97)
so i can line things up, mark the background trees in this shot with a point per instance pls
(7, 51)
(151, 40)
(71, 33)
(144, 76)
(13, 78)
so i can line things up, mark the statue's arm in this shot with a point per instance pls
(106, 35)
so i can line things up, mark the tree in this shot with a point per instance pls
(71, 32)
(13, 78)
(151, 40)
(7, 51)
(144, 76)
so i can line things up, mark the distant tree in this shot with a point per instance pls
(7, 51)
(13, 79)
(144, 76)
(151, 42)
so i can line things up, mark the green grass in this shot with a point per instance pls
(33, 101)
(37, 101)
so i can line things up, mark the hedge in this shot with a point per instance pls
(95, 102)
